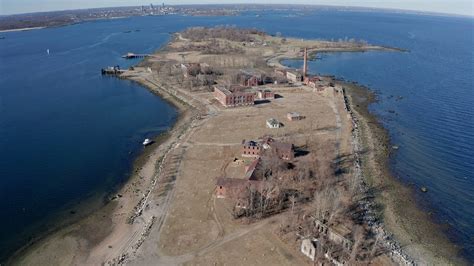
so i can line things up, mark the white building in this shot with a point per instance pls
(273, 123)
(308, 247)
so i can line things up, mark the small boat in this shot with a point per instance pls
(47, 51)
(147, 142)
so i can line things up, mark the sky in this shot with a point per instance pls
(459, 7)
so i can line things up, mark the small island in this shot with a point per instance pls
(266, 165)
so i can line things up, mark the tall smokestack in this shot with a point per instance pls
(305, 67)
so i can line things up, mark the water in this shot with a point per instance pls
(431, 91)
(66, 132)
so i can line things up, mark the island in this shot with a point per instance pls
(266, 165)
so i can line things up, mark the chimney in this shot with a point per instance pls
(305, 67)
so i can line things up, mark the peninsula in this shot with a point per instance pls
(266, 165)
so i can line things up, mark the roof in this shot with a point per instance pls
(310, 242)
(273, 121)
(251, 143)
(295, 72)
(237, 187)
(251, 72)
(230, 182)
(294, 114)
(281, 146)
(251, 169)
(228, 90)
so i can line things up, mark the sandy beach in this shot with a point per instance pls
(166, 213)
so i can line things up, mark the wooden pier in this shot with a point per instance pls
(133, 56)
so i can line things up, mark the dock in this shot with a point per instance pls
(115, 70)
(133, 56)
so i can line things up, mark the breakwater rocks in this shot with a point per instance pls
(384, 239)
(120, 260)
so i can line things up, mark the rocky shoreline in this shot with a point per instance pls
(396, 253)
(372, 150)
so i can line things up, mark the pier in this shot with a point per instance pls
(115, 70)
(133, 56)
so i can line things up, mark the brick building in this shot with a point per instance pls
(284, 150)
(234, 96)
(236, 188)
(312, 82)
(251, 148)
(265, 94)
(257, 148)
(250, 78)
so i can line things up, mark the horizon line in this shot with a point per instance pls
(391, 10)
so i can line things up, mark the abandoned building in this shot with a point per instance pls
(294, 75)
(251, 148)
(234, 96)
(285, 151)
(250, 169)
(273, 123)
(312, 82)
(309, 247)
(294, 116)
(238, 95)
(236, 188)
(252, 180)
(250, 78)
(265, 94)
(337, 234)
(280, 72)
(194, 69)
(191, 69)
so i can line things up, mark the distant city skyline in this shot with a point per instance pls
(458, 7)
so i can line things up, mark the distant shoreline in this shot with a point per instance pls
(22, 29)
(55, 18)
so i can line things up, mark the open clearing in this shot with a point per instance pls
(199, 227)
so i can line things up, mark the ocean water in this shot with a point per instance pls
(426, 101)
(67, 134)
